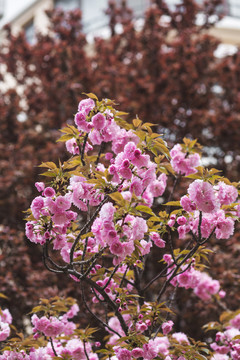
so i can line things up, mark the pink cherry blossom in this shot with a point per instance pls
(187, 204)
(86, 105)
(4, 331)
(117, 248)
(72, 147)
(36, 206)
(136, 187)
(137, 352)
(202, 194)
(99, 121)
(49, 192)
(167, 327)
(180, 337)
(63, 202)
(40, 186)
(227, 194)
(182, 163)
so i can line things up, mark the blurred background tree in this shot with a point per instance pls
(163, 69)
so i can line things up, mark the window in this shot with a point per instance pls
(94, 16)
(30, 32)
(233, 8)
(67, 5)
(138, 6)
(228, 7)
(1, 8)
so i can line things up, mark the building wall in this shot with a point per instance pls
(35, 13)
(93, 17)
(226, 35)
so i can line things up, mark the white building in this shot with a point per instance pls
(30, 15)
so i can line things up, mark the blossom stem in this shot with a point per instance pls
(104, 325)
(85, 227)
(85, 350)
(53, 349)
(83, 149)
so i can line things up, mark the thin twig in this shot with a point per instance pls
(94, 315)
(97, 296)
(110, 302)
(85, 350)
(46, 254)
(124, 278)
(171, 246)
(199, 227)
(172, 192)
(157, 277)
(90, 268)
(209, 237)
(47, 258)
(186, 257)
(83, 149)
(138, 286)
(110, 277)
(53, 349)
(93, 217)
(165, 269)
(169, 306)
(85, 262)
(100, 152)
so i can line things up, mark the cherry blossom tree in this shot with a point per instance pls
(151, 74)
(95, 221)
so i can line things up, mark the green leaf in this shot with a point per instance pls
(91, 96)
(213, 325)
(65, 138)
(60, 308)
(49, 174)
(118, 198)
(49, 165)
(137, 122)
(173, 203)
(193, 176)
(120, 113)
(154, 218)
(200, 357)
(166, 168)
(145, 209)
(225, 316)
(37, 309)
(162, 148)
(3, 296)
(69, 130)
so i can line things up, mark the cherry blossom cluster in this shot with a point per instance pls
(203, 285)
(61, 340)
(110, 286)
(209, 200)
(52, 326)
(182, 162)
(73, 348)
(154, 348)
(5, 321)
(160, 346)
(52, 213)
(118, 235)
(132, 173)
(227, 342)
